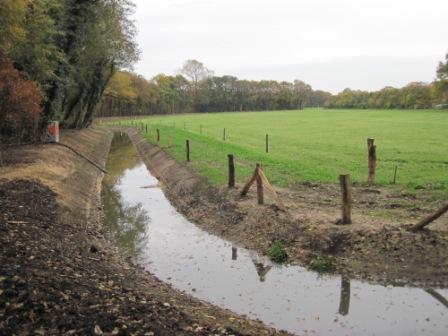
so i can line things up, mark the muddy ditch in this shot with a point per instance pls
(143, 222)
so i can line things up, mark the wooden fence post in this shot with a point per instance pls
(395, 175)
(267, 143)
(224, 134)
(346, 190)
(260, 191)
(249, 184)
(372, 160)
(187, 149)
(158, 135)
(231, 171)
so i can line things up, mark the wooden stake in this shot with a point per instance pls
(260, 191)
(346, 190)
(271, 189)
(231, 171)
(267, 143)
(251, 181)
(372, 160)
(187, 149)
(158, 135)
(224, 135)
(395, 175)
(262, 182)
(427, 220)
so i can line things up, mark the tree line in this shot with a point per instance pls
(196, 89)
(56, 59)
(416, 95)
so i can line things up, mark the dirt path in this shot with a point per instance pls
(59, 276)
(377, 247)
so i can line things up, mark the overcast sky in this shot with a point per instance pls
(330, 44)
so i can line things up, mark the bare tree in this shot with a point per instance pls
(196, 72)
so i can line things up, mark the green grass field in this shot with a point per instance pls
(314, 144)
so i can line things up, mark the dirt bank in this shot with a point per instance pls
(59, 276)
(377, 247)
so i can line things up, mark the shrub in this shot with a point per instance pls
(323, 264)
(277, 252)
(20, 104)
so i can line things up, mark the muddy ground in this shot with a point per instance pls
(58, 274)
(377, 247)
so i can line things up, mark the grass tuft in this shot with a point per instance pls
(323, 264)
(277, 253)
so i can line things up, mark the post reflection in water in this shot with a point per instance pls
(262, 270)
(344, 302)
(234, 253)
(437, 296)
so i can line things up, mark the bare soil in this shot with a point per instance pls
(377, 247)
(59, 275)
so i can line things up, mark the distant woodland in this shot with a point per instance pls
(196, 89)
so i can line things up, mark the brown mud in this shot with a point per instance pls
(377, 247)
(59, 275)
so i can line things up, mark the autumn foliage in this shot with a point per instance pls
(20, 104)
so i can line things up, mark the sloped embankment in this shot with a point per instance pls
(58, 275)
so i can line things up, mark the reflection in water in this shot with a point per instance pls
(262, 270)
(122, 157)
(344, 302)
(234, 253)
(287, 297)
(126, 222)
(437, 296)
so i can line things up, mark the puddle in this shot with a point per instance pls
(144, 224)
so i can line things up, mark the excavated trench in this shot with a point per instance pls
(144, 224)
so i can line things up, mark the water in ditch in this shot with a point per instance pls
(144, 224)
